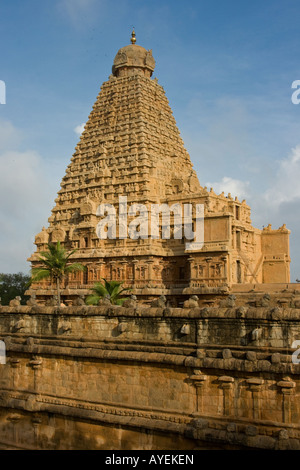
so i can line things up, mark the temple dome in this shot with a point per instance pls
(132, 60)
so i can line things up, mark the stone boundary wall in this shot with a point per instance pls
(149, 378)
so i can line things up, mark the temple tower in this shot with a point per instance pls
(131, 151)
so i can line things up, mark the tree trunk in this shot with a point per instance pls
(58, 291)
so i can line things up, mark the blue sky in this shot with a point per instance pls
(227, 67)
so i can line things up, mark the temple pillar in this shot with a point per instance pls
(191, 261)
(225, 268)
(287, 389)
(255, 386)
(134, 264)
(198, 380)
(226, 384)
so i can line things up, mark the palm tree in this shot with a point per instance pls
(111, 290)
(55, 265)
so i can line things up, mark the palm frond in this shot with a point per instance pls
(115, 291)
(100, 290)
(120, 301)
(75, 267)
(111, 285)
(125, 289)
(71, 253)
(92, 299)
(54, 261)
(110, 289)
(38, 274)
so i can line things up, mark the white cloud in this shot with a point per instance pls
(78, 11)
(20, 180)
(10, 137)
(230, 185)
(285, 186)
(79, 129)
(25, 196)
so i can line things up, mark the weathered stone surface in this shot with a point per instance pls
(115, 367)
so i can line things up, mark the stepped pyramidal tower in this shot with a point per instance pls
(131, 151)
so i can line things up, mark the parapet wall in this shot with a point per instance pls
(150, 378)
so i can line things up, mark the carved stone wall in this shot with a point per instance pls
(151, 378)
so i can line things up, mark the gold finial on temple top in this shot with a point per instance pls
(133, 37)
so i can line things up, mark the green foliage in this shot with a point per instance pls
(112, 290)
(55, 264)
(12, 285)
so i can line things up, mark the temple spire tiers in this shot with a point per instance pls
(131, 147)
